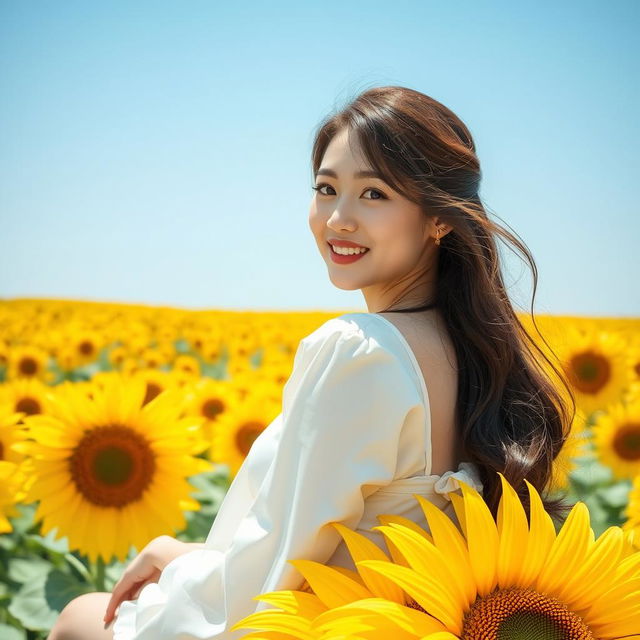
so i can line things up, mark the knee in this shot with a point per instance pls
(71, 624)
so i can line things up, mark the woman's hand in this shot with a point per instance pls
(146, 568)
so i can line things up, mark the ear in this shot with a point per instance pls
(433, 226)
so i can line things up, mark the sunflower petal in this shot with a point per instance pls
(587, 585)
(361, 548)
(482, 539)
(274, 620)
(304, 604)
(332, 587)
(424, 589)
(568, 552)
(542, 535)
(513, 532)
(406, 618)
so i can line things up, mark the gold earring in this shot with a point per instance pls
(438, 236)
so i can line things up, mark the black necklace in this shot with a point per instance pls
(431, 305)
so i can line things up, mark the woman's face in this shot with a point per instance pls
(367, 212)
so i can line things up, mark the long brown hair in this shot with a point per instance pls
(512, 417)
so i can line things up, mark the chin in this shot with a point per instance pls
(343, 283)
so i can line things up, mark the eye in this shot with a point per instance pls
(322, 185)
(382, 196)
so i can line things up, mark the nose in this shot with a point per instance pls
(339, 220)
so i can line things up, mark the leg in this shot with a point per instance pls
(81, 619)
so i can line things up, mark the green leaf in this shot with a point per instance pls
(61, 588)
(49, 542)
(198, 526)
(7, 541)
(7, 632)
(30, 607)
(209, 487)
(590, 475)
(616, 496)
(38, 603)
(598, 515)
(24, 521)
(27, 569)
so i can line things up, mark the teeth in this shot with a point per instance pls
(344, 251)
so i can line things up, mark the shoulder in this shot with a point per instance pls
(353, 328)
(350, 362)
(352, 346)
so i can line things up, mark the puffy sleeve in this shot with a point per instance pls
(335, 442)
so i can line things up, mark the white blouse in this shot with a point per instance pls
(353, 441)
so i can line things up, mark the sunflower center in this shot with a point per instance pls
(28, 366)
(212, 407)
(86, 348)
(30, 406)
(522, 614)
(627, 441)
(246, 435)
(112, 466)
(589, 372)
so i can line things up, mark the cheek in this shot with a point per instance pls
(313, 218)
(317, 226)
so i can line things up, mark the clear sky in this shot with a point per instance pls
(159, 152)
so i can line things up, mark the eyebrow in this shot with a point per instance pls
(358, 174)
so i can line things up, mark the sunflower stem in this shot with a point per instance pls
(80, 566)
(99, 577)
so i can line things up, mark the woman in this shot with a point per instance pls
(439, 375)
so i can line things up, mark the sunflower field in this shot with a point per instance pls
(120, 423)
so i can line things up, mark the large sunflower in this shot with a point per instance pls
(110, 471)
(509, 580)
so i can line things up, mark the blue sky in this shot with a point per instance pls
(159, 152)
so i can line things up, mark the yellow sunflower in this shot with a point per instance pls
(110, 471)
(211, 399)
(26, 395)
(117, 355)
(596, 366)
(28, 361)
(235, 431)
(616, 438)
(86, 344)
(186, 368)
(514, 578)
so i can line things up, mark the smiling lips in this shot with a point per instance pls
(346, 259)
(345, 244)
